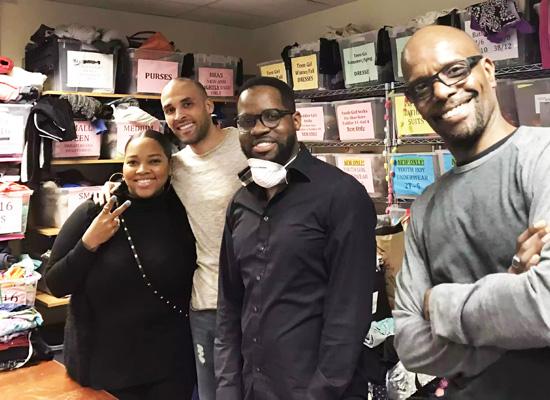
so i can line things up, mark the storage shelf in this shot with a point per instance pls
(420, 140)
(47, 231)
(10, 159)
(370, 143)
(523, 72)
(375, 90)
(74, 161)
(136, 96)
(49, 301)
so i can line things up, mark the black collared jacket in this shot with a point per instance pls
(295, 287)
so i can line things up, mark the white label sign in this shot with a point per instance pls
(504, 50)
(125, 131)
(358, 167)
(77, 196)
(541, 98)
(87, 69)
(12, 133)
(11, 214)
(359, 63)
(313, 124)
(399, 46)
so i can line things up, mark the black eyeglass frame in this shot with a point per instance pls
(411, 94)
(282, 114)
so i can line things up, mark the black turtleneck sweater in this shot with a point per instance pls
(118, 333)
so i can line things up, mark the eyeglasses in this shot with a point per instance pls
(270, 118)
(449, 75)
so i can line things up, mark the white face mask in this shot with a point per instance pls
(267, 174)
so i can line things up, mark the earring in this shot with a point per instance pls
(116, 174)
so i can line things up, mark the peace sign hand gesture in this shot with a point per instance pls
(105, 225)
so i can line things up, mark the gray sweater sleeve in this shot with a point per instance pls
(418, 347)
(504, 310)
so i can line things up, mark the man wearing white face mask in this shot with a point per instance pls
(296, 265)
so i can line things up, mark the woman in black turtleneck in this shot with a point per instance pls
(127, 330)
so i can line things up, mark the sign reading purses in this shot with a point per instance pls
(153, 75)
(412, 173)
(218, 82)
(87, 143)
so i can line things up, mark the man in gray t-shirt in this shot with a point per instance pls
(459, 313)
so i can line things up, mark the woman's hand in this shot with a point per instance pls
(529, 247)
(105, 225)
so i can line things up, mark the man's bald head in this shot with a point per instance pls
(443, 42)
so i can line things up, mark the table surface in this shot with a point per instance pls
(45, 381)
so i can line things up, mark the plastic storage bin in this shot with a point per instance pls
(507, 100)
(361, 119)
(529, 95)
(114, 141)
(217, 73)
(275, 69)
(14, 209)
(399, 36)
(306, 75)
(445, 161)
(358, 54)
(86, 145)
(368, 169)
(408, 121)
(72, 66)
(13, 119)
(412, 173)
(516, 49)
(326, 157)
(57, 204)
(147, 71)
(20, 290)
(318, 122)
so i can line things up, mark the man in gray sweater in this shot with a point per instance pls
(458, 312)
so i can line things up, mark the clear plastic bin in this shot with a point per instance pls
(306, 75)
(217, 73)
(408, 121)
(73, 66)
(14, 209)
(412, 173)
(113, 142)
(275, 69)
(507, 100)
(148, 71)
(318, 122)
(399, 36)
(529, 95)
(358, 54)
(360, 119)
(516, 49)
(19, 291)
(368, 169)
(57, 204)
(13, 119)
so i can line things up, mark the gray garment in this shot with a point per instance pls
(460, 242)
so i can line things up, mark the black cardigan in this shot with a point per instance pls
(118, 333)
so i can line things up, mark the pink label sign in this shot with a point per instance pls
(355, 121)
(313, 124)
(86, 144)
(125, 130)
(218, 82)
(153, 75)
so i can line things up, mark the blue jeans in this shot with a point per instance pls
(203, 329)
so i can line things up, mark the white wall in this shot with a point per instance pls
(368, 14)
(19, 19)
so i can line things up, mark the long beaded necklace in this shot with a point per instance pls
(144, 275)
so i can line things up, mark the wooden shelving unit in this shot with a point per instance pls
(49, 301)
(138, 96)
(76, 161)
(49, 232)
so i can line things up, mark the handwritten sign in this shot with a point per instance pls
(125, 131)
(153, 75)
(304, 72)
(218, 82)
(408, 119)
(12, 133)
(86, 144)
(505, 50)
(313, 124)
(355, 121)
(360, 167)
(86, 69)
(276, 70)
(359, 64)
(400, 43)
(412, 173)
(11, 214)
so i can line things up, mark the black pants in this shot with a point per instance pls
(169, 389)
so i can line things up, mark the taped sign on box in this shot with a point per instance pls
(11, 212)
(355, 121)
(276, 70)
(86, 144)
(125, 131)
(359, 63)
(12, 133)
(313, 124)
(218, 82)
(304, 72)
(153, 75)
(413, 173)
(408, 119)
(360, 167)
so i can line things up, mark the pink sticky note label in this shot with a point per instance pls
(218, 82)
(125, 131)
(313, 124)
(355, 121)
(153, 75)
(86, 144)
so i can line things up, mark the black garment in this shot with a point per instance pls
(118, 333)
(295, 291)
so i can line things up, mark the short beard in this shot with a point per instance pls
(202, 132)
(286, 150)
(468, 140)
